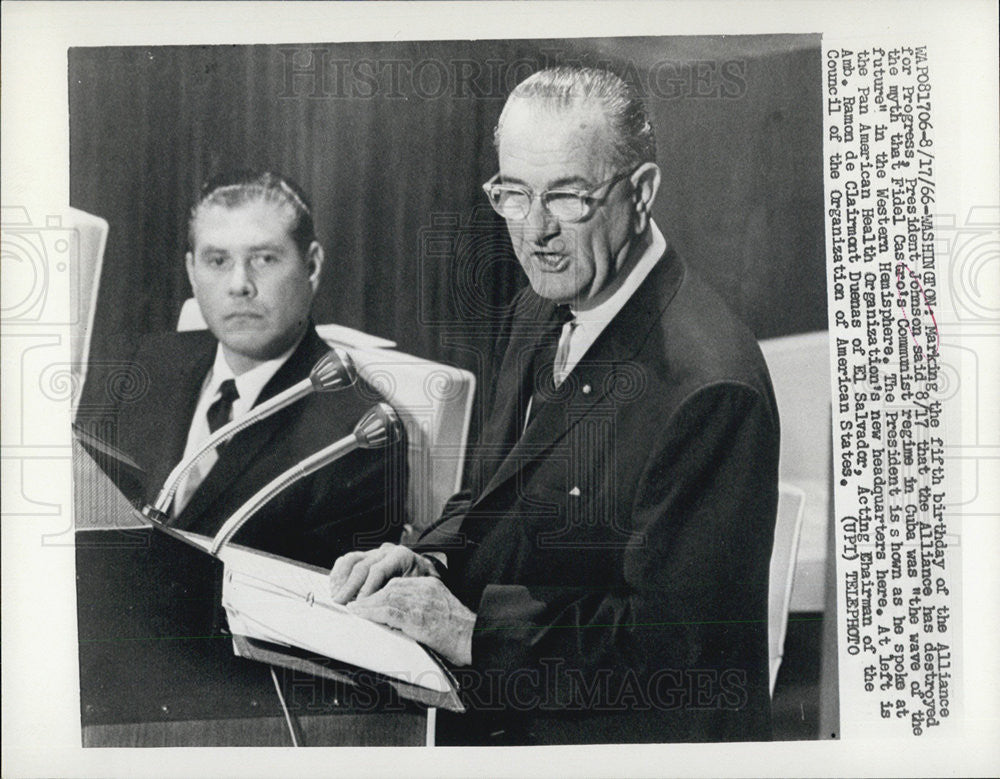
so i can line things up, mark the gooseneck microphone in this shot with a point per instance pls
(378, 428)
(334, 371)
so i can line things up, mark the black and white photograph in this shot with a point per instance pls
(552, 389)
(607, 569)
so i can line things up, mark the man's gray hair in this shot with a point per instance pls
(564, 87)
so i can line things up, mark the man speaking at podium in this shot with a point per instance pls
(254, 264)
(605, 577)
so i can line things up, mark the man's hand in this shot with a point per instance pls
(425, 610)
(359, 574)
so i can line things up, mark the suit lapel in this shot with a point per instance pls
(241, 450)
(514, 386)
(175, 383)
(595, 375)
(552, 420)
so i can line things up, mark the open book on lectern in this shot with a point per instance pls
(273, 603)
(281, 612)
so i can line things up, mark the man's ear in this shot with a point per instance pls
(189, 265)
(314, 259)
(646, 183)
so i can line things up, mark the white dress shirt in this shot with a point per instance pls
(249, 386)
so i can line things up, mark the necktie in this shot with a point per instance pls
(218, 414)
(559, 371)
(221, 411)
(544, 379)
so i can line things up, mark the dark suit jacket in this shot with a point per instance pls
(355, 502)
(617, 557)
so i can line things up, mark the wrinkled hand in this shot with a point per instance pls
(359, 574)
(425, 610)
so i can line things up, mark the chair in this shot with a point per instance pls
(434, 402)
(791, 501)
(800, 373)
(91, 234)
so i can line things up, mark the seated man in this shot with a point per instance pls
(605, 578)
(254, 264)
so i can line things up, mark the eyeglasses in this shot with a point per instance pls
(513, 201)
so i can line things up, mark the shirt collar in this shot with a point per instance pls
(250, 383)
(600, 315)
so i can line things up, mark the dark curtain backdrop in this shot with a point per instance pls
(392, 142)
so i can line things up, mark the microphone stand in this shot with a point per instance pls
(376, 429)
(334, 371)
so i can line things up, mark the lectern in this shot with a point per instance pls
(157, 665)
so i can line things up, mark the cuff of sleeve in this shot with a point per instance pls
(506, 627)
(440, 562)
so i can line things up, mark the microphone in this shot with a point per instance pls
(334, 371)
(378, 428)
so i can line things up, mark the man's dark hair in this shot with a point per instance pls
(245, 186)
(564, 87)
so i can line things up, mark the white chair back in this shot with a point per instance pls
(800, 372)
(782, 572)
(90, 234)
(434, 401)
(190, 317)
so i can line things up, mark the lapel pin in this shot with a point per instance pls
(586, 389)
(575, 492)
